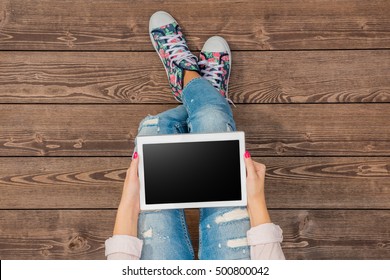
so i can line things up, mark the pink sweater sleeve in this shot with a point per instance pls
(265, 242)
(123, 247)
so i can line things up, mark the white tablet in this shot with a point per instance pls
(192, 170)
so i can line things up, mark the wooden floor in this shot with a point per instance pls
(311, 80)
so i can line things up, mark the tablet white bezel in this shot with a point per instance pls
(185, 138)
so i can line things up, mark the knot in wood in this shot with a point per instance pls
(304, 223)
(308, 136)
(279, 148)
(77, 243)
(363, 169)
(79, 144)
(45, 253)
(368, 148)
(38, 138)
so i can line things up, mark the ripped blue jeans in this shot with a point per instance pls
(222, 231)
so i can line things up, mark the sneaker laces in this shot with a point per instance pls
(212, 72)
(178, 50)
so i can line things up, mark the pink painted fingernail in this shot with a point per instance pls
(135, 155)
(247, 154)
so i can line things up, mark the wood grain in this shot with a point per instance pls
(327, 182)
(334, 234)
(257, 77)
(271, 130)
(291, 182)
(308, 234)
(247, 25)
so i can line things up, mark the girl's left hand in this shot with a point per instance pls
(127, 216)
(130, 194)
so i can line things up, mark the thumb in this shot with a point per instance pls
(133, 169)
(250, 167)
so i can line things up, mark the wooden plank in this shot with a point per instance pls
(56, 234)
(327, 182)
(257, 77)
(282, 130)
(247, 25)
(334, 234)
(64, 182)
(291, 182)
(80, 234)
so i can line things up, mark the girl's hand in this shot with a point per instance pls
(127, 216)
(130, 193)
(255, 175)
(257, 208)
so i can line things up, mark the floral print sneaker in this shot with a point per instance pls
(214, 62)
(171, 46)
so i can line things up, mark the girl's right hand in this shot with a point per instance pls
(255, 176)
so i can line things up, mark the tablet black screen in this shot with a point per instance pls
(192, 172)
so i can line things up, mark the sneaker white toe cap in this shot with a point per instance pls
(159, 19)
(216, 44)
